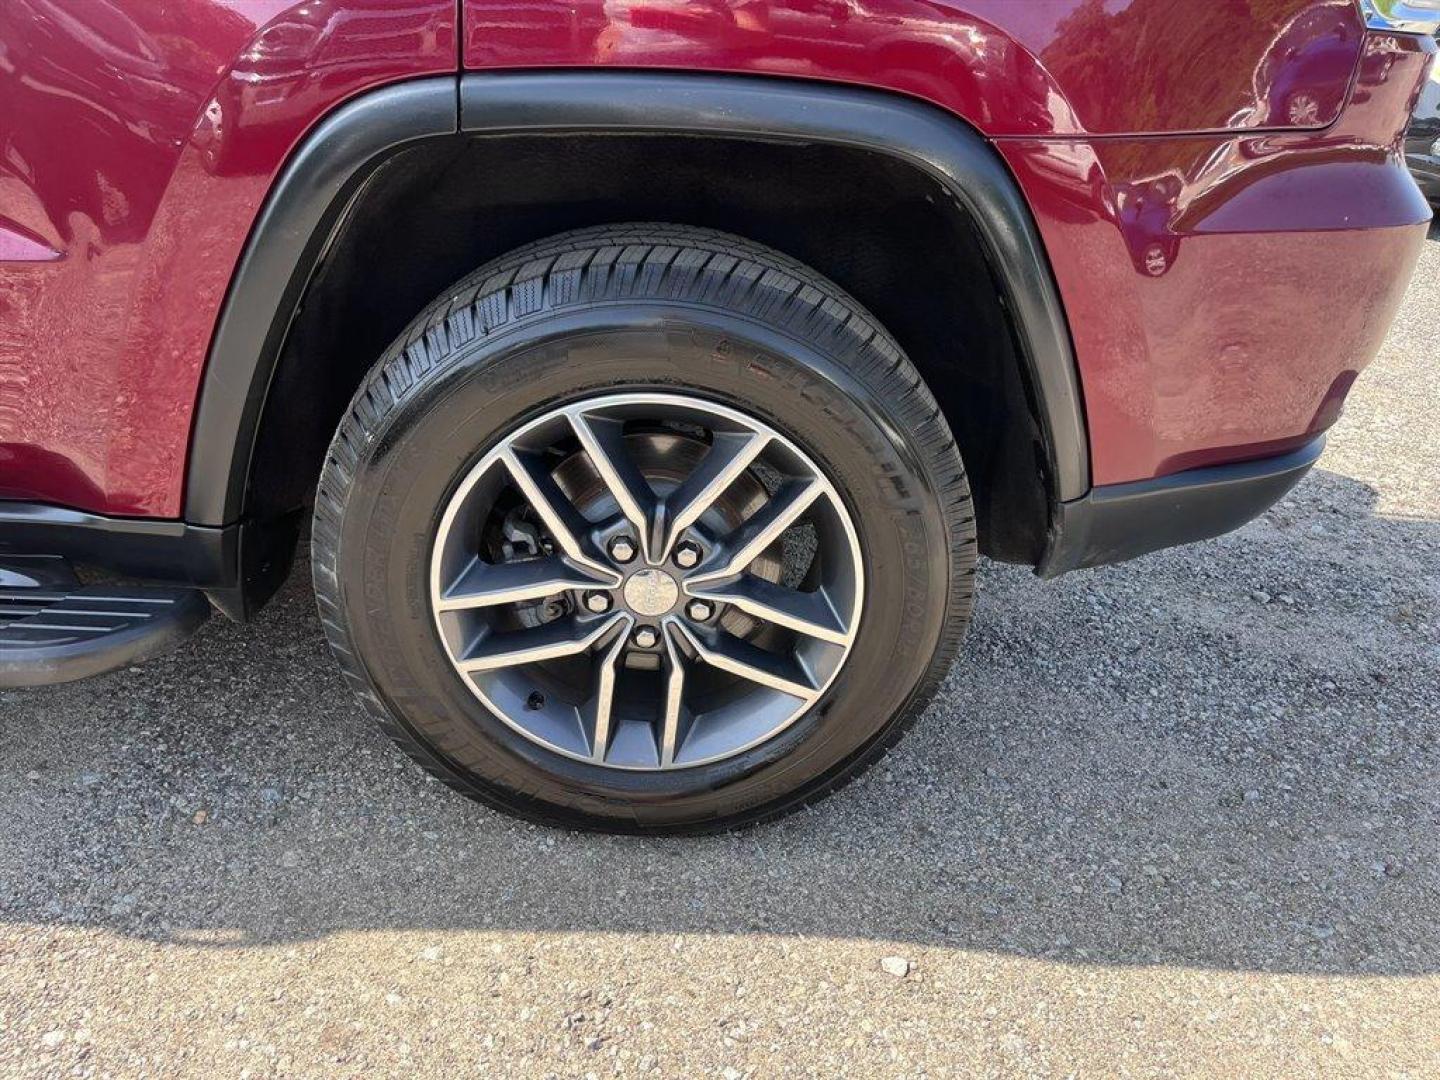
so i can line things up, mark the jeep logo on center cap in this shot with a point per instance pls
(651, 592)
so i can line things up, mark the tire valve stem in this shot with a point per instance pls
(536, 701)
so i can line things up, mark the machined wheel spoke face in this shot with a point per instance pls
(647, 581)
(602, 705)
(604, 443)
(550, 642)
(673, 702)
(755, 665)
(808, 613)
(744, 546)
(491, 584)
(565, 523)
(730, 454)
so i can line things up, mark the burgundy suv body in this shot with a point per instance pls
(1138, 252)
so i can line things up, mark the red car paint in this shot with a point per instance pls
(1033, 67)
(1224, 292)
(1222, 288)
(138, 141)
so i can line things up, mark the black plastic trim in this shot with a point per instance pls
(745, 106)
(1115, 522)
(285, 245)
(168, 551)
(238, 566)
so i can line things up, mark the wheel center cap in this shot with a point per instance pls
(651, 592)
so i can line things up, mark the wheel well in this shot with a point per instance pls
(882, 229)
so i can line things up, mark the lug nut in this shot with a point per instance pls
(687, 554)
(622, 549)
(598, 602)
(645, 637)
(700, 610)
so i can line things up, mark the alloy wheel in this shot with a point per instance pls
(646, 581)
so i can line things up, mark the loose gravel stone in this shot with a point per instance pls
(895, 965)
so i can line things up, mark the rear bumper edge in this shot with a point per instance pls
(1116, 522)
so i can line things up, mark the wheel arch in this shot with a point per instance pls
(328, 176)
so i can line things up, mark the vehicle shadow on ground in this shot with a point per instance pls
(1223, 756)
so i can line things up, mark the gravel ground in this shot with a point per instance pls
(1178, 816)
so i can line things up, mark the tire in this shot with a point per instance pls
(656, 310)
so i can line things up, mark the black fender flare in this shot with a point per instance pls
(287, 242)
(322, 176)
